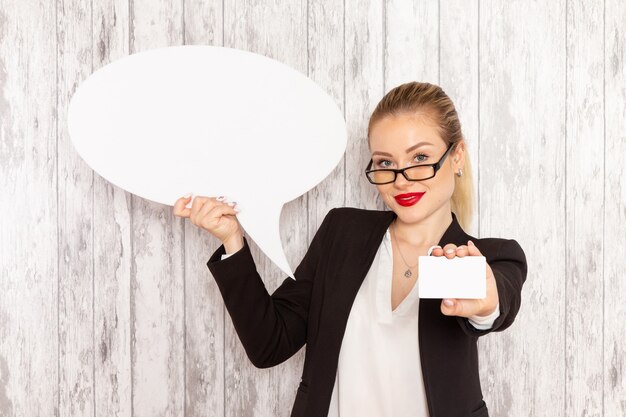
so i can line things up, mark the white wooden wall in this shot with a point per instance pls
(106, 305)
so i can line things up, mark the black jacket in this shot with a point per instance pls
(313, 309)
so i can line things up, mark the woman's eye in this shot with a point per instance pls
(384, 163)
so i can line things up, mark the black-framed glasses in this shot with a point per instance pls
(413, 173)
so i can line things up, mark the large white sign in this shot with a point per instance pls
(212, 121)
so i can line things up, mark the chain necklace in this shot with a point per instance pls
(408, 272)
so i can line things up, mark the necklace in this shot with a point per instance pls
(408, 272)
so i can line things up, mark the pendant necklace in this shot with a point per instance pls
(408, 272)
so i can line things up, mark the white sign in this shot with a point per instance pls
(212, 121)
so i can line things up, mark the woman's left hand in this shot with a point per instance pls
(468, 307)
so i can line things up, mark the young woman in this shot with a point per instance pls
(373, 348)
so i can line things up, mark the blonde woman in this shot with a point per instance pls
(373, 347)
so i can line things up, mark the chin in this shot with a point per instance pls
(410, 218)
(412, 214)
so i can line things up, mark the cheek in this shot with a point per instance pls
(440, 187)
(384, 191)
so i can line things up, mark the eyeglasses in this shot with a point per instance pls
(412, 173)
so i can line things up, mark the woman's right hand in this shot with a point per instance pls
(214, 215)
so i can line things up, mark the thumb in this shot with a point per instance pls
(451, 307)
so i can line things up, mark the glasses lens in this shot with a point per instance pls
(420, 172)
(378, 177)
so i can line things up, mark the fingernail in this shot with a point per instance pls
(232, 203)
(450, 251)
(432, 248)
(448, 303)
(220, 198)
(470, 242)
(237, 210)
(187, 195)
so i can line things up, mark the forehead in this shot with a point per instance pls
(394, 134)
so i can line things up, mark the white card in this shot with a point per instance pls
(440, 277)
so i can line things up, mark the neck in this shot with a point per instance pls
(427, 232)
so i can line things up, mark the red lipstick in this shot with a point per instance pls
(408, 199)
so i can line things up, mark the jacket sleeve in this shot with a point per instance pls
(272, 328)
(509, 269)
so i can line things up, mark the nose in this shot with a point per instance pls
(401, 181)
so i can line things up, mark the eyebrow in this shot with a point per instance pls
(417, 145)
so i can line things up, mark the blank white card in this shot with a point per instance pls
(440, 277)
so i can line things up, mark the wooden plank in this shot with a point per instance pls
(157, 278)
(411, 42)
(458, 77)
(203, 23)
(326, 67)
(584, 208)
(278, 31)
(522, 197)
(364, 87)
(112, 247)
(614, 242)
(204, 306)
(75, 196)
(29, 249)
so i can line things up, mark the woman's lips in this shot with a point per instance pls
(408, 199)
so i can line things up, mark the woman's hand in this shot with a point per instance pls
(215, 215)
(468, 307)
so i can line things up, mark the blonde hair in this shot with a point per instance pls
(431, 100)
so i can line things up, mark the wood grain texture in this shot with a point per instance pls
(106, 305)
(584, 207)
(364, 73)
(157, 280)
(458, 77)
(411, 48)
(614, 241)
(75, 221)
(326, 54)
(204, 308)
(112, 246)
(522, 183)
(29, 238)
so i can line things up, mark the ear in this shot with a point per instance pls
(458, 156)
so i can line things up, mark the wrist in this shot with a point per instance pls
(487, 311)
(233, 244)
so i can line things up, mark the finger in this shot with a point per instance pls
(210, 215)
(449, 250)
(473, 250)
(435, 251)
(180, 209)
(462, 251)
(198, 204)
(225, 206)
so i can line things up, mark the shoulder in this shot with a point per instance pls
(355, 221)
(499, 249)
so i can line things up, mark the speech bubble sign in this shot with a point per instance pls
(213, 121)
(440, 277)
